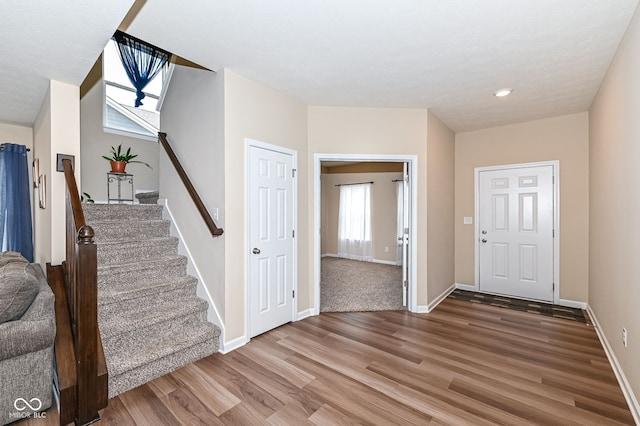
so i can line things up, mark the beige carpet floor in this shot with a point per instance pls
(351, 285)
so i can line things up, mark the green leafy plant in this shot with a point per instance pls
(127, 157)
(86, 198)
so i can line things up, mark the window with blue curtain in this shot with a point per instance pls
(16, 229)
(141, 61)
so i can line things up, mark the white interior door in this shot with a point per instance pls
(405, 233)
(271, 228)
(516, 211)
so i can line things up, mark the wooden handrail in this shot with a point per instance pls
(86, 390)
(72, 193)
(215, 231)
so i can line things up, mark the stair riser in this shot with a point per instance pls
(121, 212)
(164, 294)
(138, 230)
(124, 281)
(133, 378)
(128, 253)
(173, 268)
(121, 341)
(147, 316)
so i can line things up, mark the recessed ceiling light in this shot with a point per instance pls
(502, 92)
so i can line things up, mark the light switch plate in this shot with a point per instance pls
(468, 220)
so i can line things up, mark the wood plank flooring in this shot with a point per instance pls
(461, 364)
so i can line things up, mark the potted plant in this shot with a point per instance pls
(119, 160)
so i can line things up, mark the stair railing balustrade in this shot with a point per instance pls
(83, 395)
(202, 209)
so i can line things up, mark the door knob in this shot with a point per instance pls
(483, 240)
(256, 251)
(484, 232)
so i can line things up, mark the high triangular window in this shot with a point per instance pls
(121, 115)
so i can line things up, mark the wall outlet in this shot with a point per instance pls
(214, 213)
(624, 337)
(386, 249)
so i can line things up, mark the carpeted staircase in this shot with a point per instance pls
(150, 319)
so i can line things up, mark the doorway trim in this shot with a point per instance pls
(248, 143)
(412, 304)
(555, 164)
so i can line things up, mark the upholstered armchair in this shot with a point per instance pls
(27, 334)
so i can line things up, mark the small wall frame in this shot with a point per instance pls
(42, 191)
(36, 172)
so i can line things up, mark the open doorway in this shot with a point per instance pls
(369, 263)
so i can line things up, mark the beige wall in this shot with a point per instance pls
(65, 139)
(42, 151)
(10, 133)
(56, 130)
(383, 212)
(342, 130)
(564, 138)
(614, 131)
(440, 207)
(192, 117)
(95, 143)
(257, 112)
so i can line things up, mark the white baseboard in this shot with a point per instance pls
(467, 287)
(571, 304)
(440, 298)
(421, 309)
(213, 316)
(384, 262)
(232, 345)
(306, 314)
(627, 391)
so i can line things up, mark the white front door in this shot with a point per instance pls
(515, 241)
(271, 226)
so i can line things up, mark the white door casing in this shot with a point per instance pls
(412, 262)
(406, 200)
(271, 244)
(515, 231)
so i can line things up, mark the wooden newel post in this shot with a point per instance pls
(87, 328)
(86, 235)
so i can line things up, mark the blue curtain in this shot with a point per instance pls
(141, 61)
(16, 231)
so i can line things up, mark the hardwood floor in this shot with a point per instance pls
(461, 364)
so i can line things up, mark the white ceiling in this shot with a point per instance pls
(46, 39)
(448, 56)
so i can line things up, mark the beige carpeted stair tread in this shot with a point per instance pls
(158, 345)
(121, 212)
(142, 288)
(116, 252)
(147, 371)
(146, 316)
(134, 229)
(159, 268)
(150, 318)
